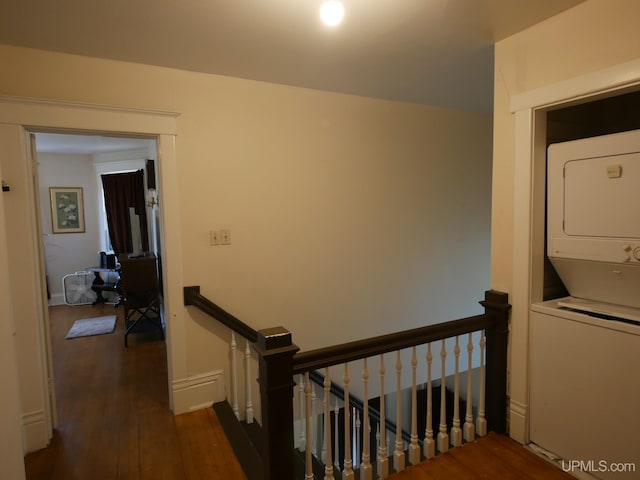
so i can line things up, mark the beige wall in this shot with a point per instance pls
(570, 49)
(349, 216)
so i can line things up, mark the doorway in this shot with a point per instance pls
(19, 117)
(76, 162)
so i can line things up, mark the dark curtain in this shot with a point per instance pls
(121, 191)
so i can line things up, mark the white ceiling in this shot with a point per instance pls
(436, 52)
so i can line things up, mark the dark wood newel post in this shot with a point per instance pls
(275, 359)
(496, 305)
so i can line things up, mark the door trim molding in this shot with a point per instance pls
(46, 115)
(63, 114)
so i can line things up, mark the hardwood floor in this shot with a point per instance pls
(113, 412)
(494, 457)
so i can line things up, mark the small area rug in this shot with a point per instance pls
(92, 326)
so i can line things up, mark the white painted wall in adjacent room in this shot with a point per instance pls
(69, 252)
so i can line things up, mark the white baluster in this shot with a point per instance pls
(388, 440)
(469, 427)
(443, 437)
(308, 415)
(398, 454)
(378, 438)
(358, 427)
(414, 448)
(328, 466)
(248, 382)
(314, 423)
(383, 460)
(366, 472)
(429, 446)
(234, 376)
(336, 437)
(456, 431)
(302, 400)
(323, 435)
(481, 422)
(347, 471)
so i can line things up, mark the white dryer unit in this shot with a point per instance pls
(593, 226)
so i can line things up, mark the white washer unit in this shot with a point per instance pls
(584, 391)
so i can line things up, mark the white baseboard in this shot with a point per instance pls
(35, 434)
(198, 391)
(518, 421)
(56, 299)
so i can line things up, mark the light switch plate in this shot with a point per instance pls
(225, 237)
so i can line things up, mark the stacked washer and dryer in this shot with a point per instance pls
(585, 348)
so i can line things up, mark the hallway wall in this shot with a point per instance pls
(349, 216)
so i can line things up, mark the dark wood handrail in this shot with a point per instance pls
(192, 297)
(347, 352)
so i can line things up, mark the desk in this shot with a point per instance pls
(99, 285)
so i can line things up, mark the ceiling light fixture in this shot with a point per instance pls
(331, 13)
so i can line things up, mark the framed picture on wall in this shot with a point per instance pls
(67, 209)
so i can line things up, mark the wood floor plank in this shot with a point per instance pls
(206, 453)
(413, 473)
(159, 448)
(128, 451)
(188, 438)
(445, 467)
(223, 448)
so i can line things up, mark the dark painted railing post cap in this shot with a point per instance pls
(274, 337)
(496, 298)
(189, 291)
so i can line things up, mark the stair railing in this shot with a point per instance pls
(193, 297)
(362, 429)
(280, 363)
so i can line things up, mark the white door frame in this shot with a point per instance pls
(41, 115)
(530, 109)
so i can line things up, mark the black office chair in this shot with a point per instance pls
(140, 295)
